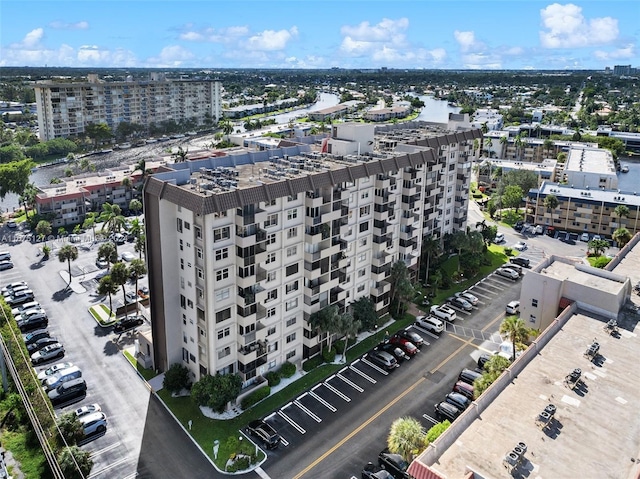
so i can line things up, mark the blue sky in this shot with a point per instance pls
(447, 34)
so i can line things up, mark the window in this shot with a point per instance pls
(363, 242)
(271, 239)
(532, 319)
(364, 226)
(222, 274)
(292, 251)
(364, 195)
(292, 233)
(271, 330)
(365, 210)
(190, 303)
(179, 225)
(185, 355)
(199, 253)
(271, 312)
(362, 257)
(291, 354)
(292, 287)
(271, 257)
(200, 293)
(534, 303)
(183, 301)
(272, 364)
(181, 263)
(223, 315)
(292, 269)
(361, 288)
(223, 294)
(187, 225)
(271, 276)
(181, 246)
(272, 220)
(224, 352)
(292, 214)
(198, 231)
(272, 347)
(291, 321)
(291, 304)
(200, 273)
(222, 254)
(181, 282)
(223, 333)
(291, 337)
(271, 295)
(362, 272)
(270, 203)
(184, 338)
(220, 234)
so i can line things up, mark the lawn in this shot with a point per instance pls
(144, 372)
(32, 461)
(101, 313)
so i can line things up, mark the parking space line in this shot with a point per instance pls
(283, 441)
(357, 371)
(425, 331)
(109, 467)
(105, 449)
(353, 385)
(322, 401)
(291, 421)
(262, 473)
(377, 368)
(429, 418)
(335, 391)
(307, 411)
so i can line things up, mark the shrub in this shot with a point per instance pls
(256, 397)
(329, 355)
(176, 378)
(216, 391)
(601, 262)
(508, 251)
(437, 430)
(312, 363)
(239, 464)
(273, 377)
(287, 369)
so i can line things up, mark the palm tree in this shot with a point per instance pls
(180, 156)
(484, 128)
(489, 144)
(406, 437)
(551, 203)
(28, 198)
(620, 211)
(43, 229)
(120, 276)
(114, 222)
(518, 144)
(547, 145)
(430, 247)
(90, 222)
(106, 287)
(325, 321)
(517, 331)
(108, 252)
(135, 206)
(127, 183)
(137, 270)
(139, 245)
(622, 236)
(68, 253)
(504, 141)
(226, 126)
(348, 327)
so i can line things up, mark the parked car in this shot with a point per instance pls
(43, 375)
(517, 268)
(539, 229)
(520, 261)
(469, 297)
(128, 256)
(33, 336)
(88, 409)
(131, 297)
(394, 350)
(10, 287)
(412, 336)
(53, 351)
(94, 423)
(143, 292)
(128, 323)
(20, 298)
(404, 344)
(430, 323)
(513, 307)
(382, 359)
(499, 238)
(371, 471)
(443, 312)
(393, 463)
(469, 376)
(69, 391)
(520, 246)
(464, 389)
(102, 263)
(62, 376)
(38, 322)
(584, 237)
(15, 290)
(5, 255)
(266, 434)
(518, 226)
(31, 314)
(458, 400)
(460, 302)
(6, 264)
(12, 224)
(507, 273)
(25, 307)
(40, 343)
(447, 411)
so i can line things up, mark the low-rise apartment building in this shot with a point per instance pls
(248, 246)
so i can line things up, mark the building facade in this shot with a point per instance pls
(248, 246)
(65, 109)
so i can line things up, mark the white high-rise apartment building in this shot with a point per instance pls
(65, 109)
(242, 249)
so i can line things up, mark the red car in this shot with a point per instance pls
(403, 343)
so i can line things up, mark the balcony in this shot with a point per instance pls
(381, 288)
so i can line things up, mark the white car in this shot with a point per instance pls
(584, 237)
(513, 307)
(43, 375)
(430, 323)
(469, 297)
(128, 256)
(520, 246)
(94, 423)
(499, 238)
(9, 288)
(88, 409)
(507, 273)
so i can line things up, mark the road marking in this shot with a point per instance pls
(307, 411)
(291, 421)
(109, 467)
(452, 355)
(322, 401)
(105, 449)
(358, 429)
(377, 368)
(426, 331)
(368, 378)
(430, 419)
(335, 391)
(262, 473)
(353, 385)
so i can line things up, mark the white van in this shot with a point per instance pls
(61, 377)
(430, 323)
(513, 307)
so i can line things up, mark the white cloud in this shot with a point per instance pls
(227, 35)
(32, 38)
(171, 56)
(468, 42)
(619, 54)
(270, 40)
(59, 25)
(192, 36)
(384, 31)
(566, 27)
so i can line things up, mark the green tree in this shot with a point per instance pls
(75, 463)
(401, 287)
(621, 236)
(180, 156)
(68, 253)
(137, 270)
(140, 245)
(364, 312)
(70, 428)
(406, 437)
(98, 133)
(430, 248)
(90, 222)
(512, 196)
(120, 276)
(547, 145)
(135, 206)
(517, 331)
(598, 246)
(43, 229)
(14, 177)
(108, 252)
(112, 217)
(347, 327)
(325, 320)
(551, 203)
(176, 378)
(106, 287)
(226, 126)
(621, 211)
(216, 391)
(28, 198)
(459, 241)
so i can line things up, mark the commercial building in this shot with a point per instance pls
(65, 109)
(246, 247)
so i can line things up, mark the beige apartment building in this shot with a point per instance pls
(65, 109)
(242, 249)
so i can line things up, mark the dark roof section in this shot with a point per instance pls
(212, 203)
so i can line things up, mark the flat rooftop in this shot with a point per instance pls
(629, 266)
(564, 271)
(595, 432)
(590, 160)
